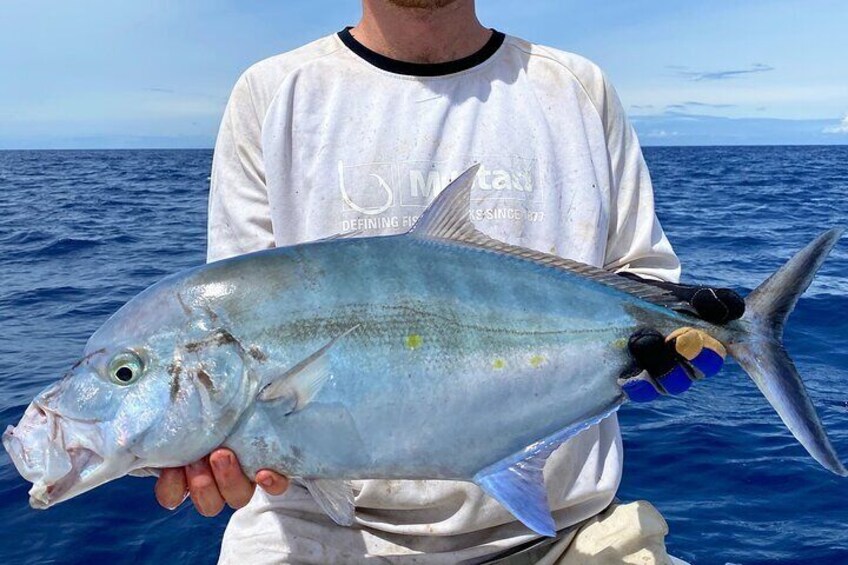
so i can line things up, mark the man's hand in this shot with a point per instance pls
(213, 481)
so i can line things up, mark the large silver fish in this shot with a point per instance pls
(438, 354)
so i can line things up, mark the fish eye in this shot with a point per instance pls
(125, 368)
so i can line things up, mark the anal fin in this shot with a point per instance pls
(521, 490)
(517, 482)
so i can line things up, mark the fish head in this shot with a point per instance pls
(157, 387)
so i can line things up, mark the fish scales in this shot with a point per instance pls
(469, 376)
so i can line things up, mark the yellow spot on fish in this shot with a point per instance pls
(620, 343)
(414, 341)
(498, 364)
(536, 361)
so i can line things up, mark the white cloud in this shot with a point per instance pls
(794, 102)
(660, 133)
(841, 128)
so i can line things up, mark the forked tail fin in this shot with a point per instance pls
(761, 353)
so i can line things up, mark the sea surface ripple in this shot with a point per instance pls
(81, 232)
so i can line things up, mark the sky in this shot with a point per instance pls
(156, 73)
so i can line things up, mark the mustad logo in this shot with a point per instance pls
(427, 183)
(372, 189)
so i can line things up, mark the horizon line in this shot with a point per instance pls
(643, 145)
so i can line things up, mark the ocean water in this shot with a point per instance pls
(81, 232)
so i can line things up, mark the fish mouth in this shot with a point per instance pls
(59, 456)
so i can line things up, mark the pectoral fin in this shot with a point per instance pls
(299, 385)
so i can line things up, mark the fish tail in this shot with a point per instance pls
(759, 349)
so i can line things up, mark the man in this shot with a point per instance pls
(357, 132)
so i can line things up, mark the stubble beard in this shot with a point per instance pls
(421, 4)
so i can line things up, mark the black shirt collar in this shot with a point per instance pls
(422, 69)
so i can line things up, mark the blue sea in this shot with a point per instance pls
(81, 232)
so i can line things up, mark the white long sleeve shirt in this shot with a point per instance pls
(331, 138)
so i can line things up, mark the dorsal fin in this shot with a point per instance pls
(448, 218)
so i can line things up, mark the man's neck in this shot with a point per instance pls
(421, 35)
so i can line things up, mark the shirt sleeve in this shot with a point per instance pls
(239, 212)
(636, 242)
